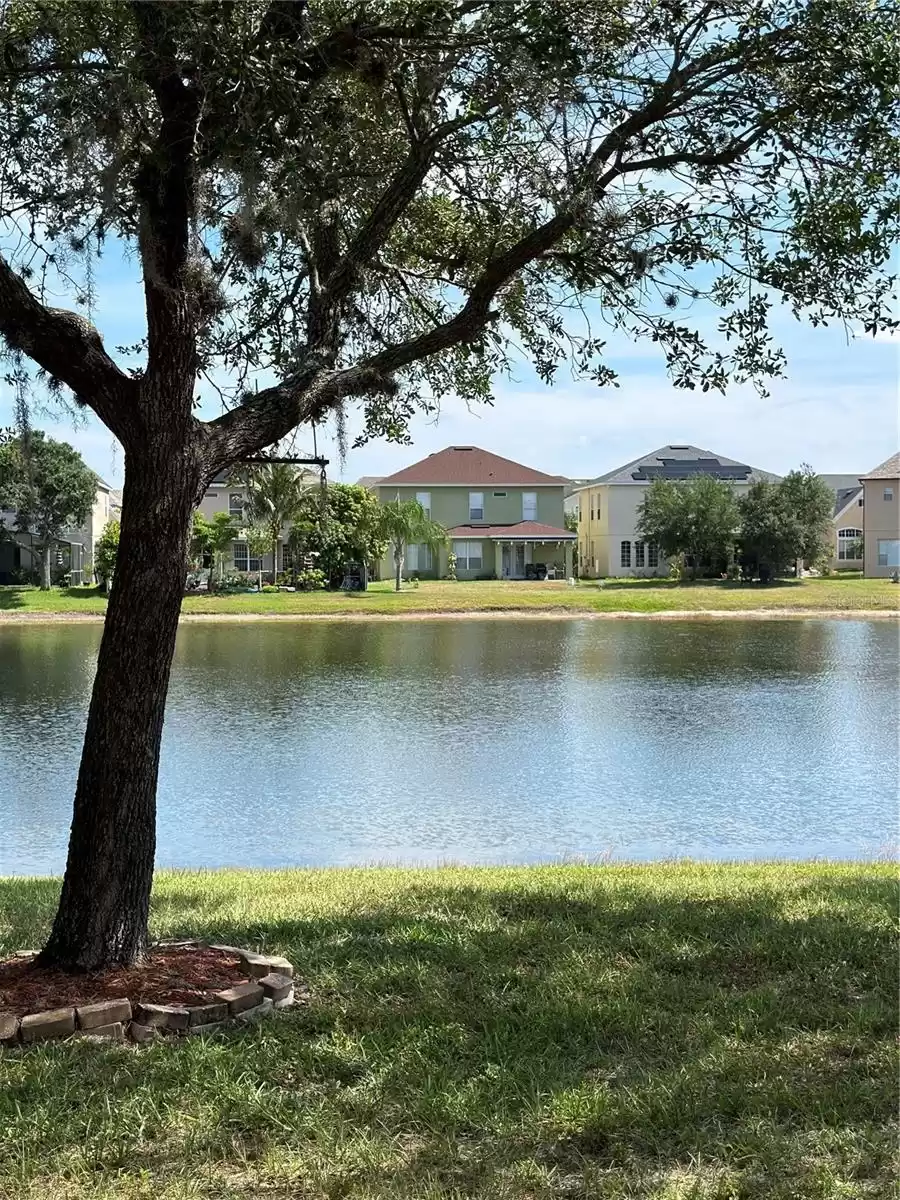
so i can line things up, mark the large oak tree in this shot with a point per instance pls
(372, 201)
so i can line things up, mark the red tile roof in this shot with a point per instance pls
(470, 465)
(521, 531)
(889, 469)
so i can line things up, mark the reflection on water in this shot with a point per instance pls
(479, 741)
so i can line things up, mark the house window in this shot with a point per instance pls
(889, 552)
(236, 506)
(468, 556)
(476, 506)
(243, 560)
(888, 493)
(625, 556)
(529, 506)
(861, 502)
(424, 498)
(638, 554)
(287, 558)
(652, 554)
(592, 508)
(846, 540)
(418, 557)
(499, 495)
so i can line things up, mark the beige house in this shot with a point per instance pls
(608, 508)
(224, 494)
(75, 549)
(505, 520)
(847, 527)
(881, 523)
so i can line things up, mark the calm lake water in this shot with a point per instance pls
(479, 741)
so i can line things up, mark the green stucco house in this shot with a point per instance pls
(505, 520)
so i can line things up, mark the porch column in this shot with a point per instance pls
(568, 553)
(498, 559)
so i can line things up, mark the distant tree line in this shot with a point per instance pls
(762, 534)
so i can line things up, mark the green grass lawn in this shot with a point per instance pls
(674, 1032)
(838, 593)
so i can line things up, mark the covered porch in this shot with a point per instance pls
(526, 550)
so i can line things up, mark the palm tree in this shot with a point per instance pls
(275, 495)
(405, 523)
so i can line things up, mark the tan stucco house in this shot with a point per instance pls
(226, 494)
(505, 520)
(75, 549)
(608, 508)
(847, 522)
(881, 522)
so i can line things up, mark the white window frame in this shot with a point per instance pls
(888, 494)
(625, 554)
(529, 504)
(254, 565)
(845, 538)
(652, 554)
(476, 510)
(236, 512)
(640, 554)
(465, 553)
(891, 551)
(424, 498)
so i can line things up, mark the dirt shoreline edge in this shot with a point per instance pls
(526, 614)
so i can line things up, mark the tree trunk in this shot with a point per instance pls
(398, 569)
(210, 583)
(45, 567)
(103, 910)
(275, 533)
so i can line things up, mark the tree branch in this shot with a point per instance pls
(69, 348)
(166, 186)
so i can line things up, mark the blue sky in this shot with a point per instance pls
(837, 409)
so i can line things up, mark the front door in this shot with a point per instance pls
(519, 571)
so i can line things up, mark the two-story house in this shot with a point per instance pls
(608, 544)
(881, 518)
(505, 520)
(74, 552)
(227, 494)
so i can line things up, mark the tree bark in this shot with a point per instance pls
(103, 910)
(398, 569)
(46, 581)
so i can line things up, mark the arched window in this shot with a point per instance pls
(625, 558)
(847, 548)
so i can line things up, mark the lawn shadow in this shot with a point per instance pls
(468, 1036)
(12, 596)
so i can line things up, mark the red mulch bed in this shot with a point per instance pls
(168, 975)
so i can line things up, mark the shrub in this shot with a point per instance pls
(269, 587)
(311, 581)
(451, 566)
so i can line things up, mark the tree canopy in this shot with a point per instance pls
(786, 522)
(696, 517)
(379, 201)
(50, 488)
(343, 529)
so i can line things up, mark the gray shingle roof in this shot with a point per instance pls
(682, 462)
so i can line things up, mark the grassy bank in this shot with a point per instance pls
(674, 1032)
(836, 593)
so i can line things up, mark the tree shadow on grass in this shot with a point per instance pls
(12, 597)
(531, 1040)
(723, 585)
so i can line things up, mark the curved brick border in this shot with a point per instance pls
(270, 987)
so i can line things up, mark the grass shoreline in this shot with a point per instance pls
(676, 1031)
(542, 614)
(833, 596)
